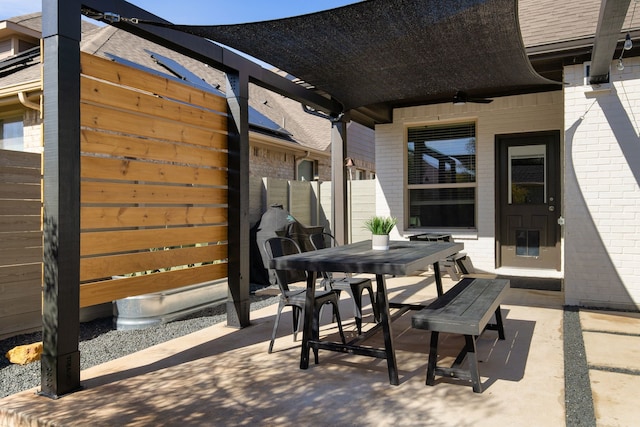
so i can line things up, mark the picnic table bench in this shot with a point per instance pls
(464, 309)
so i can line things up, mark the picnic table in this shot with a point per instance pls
(403, 258)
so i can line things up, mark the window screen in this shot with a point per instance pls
(12, 134)
(441, 166)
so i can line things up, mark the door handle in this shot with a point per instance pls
(552, 208)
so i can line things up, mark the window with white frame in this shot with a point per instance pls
(12, 133)
(307, 170)
(441, 176)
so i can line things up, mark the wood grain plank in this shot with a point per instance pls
(19, 276)
(103, 118)
(126, 146)
(22, 239)
(20, 207)
(114, 265)
(115, 193)
(20, 191)
(20, 324)
(108, 290)
(17, 223)
(21, 159)
(23, 304)
(20, 175)
(121, 74)
(17, 256)
(105, 242)
(107, 217)
(102, 93)
(131, 170)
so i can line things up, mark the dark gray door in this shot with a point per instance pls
(528, 200)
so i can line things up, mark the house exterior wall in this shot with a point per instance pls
(264, 161)
(506, 115)
(602, 196)
(32, 131)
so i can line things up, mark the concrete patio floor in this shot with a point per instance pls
(223, 376)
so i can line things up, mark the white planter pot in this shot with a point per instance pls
(380, 242)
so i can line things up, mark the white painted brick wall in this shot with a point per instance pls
(527, 113)
(602, 196)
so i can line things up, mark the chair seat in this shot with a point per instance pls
(355, 286)
(298, 297)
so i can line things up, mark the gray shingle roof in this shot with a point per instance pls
(543, 22)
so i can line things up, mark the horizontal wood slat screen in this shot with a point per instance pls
(129, 170)
(20, 242)
(120, 121)
(114, 217)
(119, 74)
(97, 292)
(130, 147)
(147, 262)
(102, 93)
(154, 192)
(115, 241)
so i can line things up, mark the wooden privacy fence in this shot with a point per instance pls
(153, 183)
(20, 242)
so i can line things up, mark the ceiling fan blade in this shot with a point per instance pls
(461, 98)
(480, 100)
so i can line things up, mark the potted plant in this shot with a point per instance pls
(380, 227)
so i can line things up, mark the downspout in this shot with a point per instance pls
(297, 162)
(22, 97)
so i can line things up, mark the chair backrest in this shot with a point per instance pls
(322, 240)
(280, 246)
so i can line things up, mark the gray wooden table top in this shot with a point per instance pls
(402, 258)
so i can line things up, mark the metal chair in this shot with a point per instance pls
(295, 298)
(354, 286)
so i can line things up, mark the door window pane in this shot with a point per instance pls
(527, 175)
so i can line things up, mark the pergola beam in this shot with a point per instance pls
(207, 52)
(610, 21)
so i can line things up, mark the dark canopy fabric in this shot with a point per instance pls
(394, 53)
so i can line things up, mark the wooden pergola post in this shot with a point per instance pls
(60, 363)
(238, 303)
(339, 217)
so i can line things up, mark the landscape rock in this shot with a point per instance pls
(25, 354)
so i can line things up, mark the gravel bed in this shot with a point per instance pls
(578, 397)
(100, 343)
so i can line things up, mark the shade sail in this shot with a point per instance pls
(392, 53)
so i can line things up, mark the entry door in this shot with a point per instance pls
(528, 200)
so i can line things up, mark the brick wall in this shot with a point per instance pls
(32, 131)
(527, 113)
(602, 197)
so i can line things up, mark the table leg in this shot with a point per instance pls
(436, 273)
(433, 358)
(473, 363)
(385, 319)
(308, 319)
